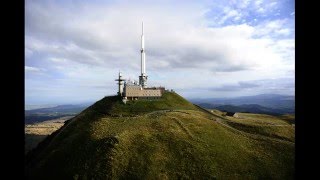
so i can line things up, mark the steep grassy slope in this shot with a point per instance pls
(37, 132)
(165, 139)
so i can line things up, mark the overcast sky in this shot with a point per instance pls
(75, 49)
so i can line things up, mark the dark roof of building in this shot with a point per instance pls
(230, 113)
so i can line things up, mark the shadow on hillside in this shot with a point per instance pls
(31, 141)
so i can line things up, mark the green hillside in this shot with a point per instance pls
(167, 138)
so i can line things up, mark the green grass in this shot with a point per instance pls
(169, 101)
(181, 143)
(262, 124)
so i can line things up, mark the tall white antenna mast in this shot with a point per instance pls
(143, 77)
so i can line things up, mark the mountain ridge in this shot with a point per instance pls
(275, 102)
(250, 108)
(168, 138)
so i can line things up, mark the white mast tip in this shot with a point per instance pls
(142, 27)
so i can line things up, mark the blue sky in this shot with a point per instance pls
(74, 49)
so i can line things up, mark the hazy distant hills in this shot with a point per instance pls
(250, 108)
(69, 108)
(272, 104)
(32, 106)
(264, 103)
(43, 114)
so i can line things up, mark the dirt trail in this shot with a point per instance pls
(182, 126)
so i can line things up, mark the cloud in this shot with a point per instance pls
(274, 28)
(30, 69)
(87, 40)
(28, 52)
(228, 14)
(242, 88)
(263, 85)
(236, 87)
(88, 43)
(258, 3)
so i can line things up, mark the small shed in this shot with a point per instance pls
(236, 115)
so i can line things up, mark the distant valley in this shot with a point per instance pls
(49, 113)
(41, 122)
(37, 132)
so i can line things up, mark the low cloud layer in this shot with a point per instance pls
(80, 46)
(236, 87)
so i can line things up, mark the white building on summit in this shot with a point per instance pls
(131, 90)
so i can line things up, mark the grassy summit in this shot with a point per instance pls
(163, 139)
(169, 101)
